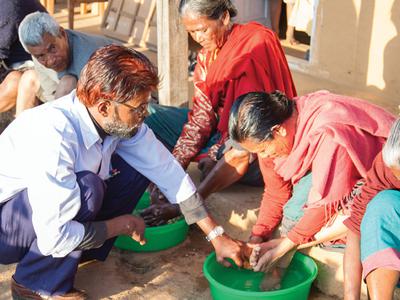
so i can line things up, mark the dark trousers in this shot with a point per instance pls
(99, 201)
(167, 123)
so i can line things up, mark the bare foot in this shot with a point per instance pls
(255, 256)
(293, 41)
(260, 250)
(160, 214)
(272, 280)
(290, 36)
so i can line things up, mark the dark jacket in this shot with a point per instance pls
(12, 12)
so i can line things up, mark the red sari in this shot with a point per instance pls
(251, 60)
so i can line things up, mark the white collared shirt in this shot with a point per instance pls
(45, 147)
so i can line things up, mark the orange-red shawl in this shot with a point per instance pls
(252, 58)
(353, 124)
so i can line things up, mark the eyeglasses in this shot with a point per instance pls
(140, 110)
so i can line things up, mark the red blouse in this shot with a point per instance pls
(379, 178)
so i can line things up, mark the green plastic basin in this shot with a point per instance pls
(143, 203)
(236, 284)
(159, 237)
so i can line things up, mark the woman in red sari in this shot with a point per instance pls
(234, 59)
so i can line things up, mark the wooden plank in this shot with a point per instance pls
(142, 22)
(150, 36)
(98, 8)
(172, 55)
(83, 9)
(50, 6)
(126, 19)
(71, 4)
(110, 19)
(119, 19)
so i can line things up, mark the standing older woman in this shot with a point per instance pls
(234, 59)
(376, 212)
(312, 150)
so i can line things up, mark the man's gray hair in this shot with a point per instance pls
(34, 26)
(212, 9)
(391, 150)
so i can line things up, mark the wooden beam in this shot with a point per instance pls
(50, 6)
(98, 8)
(83, 9)
(71, 5)
(172, 45)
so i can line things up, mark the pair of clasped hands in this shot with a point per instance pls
(256, 254)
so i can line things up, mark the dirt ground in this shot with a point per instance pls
(168, 275)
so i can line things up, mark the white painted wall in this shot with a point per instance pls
(252, 10)
(357, 43)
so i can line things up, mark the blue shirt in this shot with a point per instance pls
(43, 149)
(82, 46)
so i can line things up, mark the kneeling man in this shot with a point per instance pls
(72, 171)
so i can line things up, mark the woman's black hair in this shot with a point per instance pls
(253, 115)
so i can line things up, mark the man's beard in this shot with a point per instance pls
(116, 128)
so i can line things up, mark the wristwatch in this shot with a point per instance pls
(217, 231)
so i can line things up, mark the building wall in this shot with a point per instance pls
(254, 10)
(356, 43)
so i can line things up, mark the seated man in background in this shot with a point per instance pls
(62, 50)
(61, 198)
(373, 245)
(17, 77)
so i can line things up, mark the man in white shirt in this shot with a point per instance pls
(71, 172)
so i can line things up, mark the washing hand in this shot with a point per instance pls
(265, 255)
(160, 214)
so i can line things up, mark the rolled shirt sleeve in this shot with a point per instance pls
(193, 209)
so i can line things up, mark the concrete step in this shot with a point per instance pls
(236, 209)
